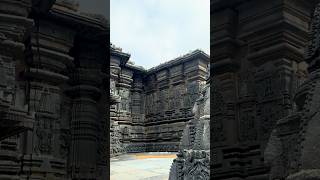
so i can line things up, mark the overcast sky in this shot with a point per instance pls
(155, 31)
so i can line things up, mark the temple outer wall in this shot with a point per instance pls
(156, 103)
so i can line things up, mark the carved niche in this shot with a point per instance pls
(268, 115)
(248, 125)
(193, 93)
(219, 111)
(113, 88)
(125, 133)
(64, 144)
(45, 140)
(125, 99)
(177, 92)
(163, 98)
(172, 98)
(7, 80)
(246, 83)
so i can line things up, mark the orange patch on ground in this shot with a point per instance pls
(146, 156)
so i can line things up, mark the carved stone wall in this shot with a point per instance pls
(293, 148)
(258, 64)
(51, 94)
(193, 158)
(155, 104)
(171, 91)
(14, 115)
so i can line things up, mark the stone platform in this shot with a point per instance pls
(141, 166)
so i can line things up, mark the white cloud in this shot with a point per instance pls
(155, 31)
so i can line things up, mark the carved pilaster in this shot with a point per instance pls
(15, 117)
(46, 66)
(15, 28)
(193, 160)
(88, 124)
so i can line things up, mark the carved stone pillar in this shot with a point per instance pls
(115, 144)
(137, 113)
(84, 131)
(45, 145)
(136, 98)
(114, 80)
(15, 117)
(117, 61)
(88, 157)
(124, 111)
(15, 27)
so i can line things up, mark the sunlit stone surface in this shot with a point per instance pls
(141, 166)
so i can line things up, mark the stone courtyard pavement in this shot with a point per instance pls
(141, 166)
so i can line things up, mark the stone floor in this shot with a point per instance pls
(141, 166)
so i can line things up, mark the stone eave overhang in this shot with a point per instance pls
(136, 69)
(188, 57)
(217, 5)
(124, 57)
(40, 6)
(85, 26)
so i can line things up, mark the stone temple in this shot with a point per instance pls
(53, 99)
(265, 96)
(151, 107)
(262, 98)
(265, 85)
